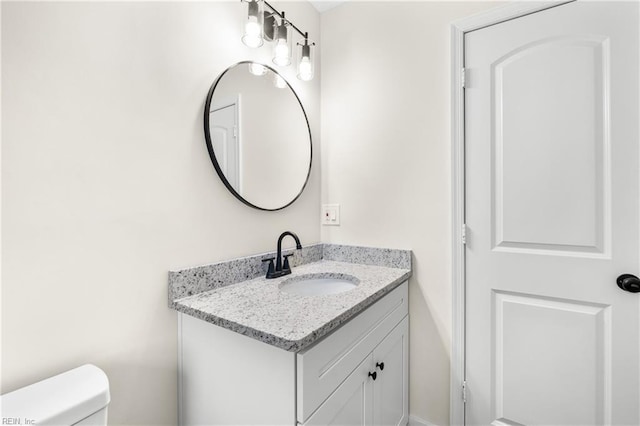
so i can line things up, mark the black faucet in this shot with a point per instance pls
(281, 268)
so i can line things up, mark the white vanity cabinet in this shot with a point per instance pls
(227, 378)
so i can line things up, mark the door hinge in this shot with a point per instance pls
(463, 233)
(464, 391)
(463, 77)
(235, 131)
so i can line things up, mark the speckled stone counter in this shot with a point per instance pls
(256, 307)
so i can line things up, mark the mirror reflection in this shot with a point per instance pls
(258, 136)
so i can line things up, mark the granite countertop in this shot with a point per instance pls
(259, 309)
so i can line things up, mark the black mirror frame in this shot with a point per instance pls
(212, 155)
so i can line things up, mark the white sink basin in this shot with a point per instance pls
(317, 284)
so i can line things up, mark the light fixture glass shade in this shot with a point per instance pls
(306, 55)
(282, 44)
(279, 82)
(257, 69)
(253, 23)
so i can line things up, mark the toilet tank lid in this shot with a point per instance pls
(63, 399)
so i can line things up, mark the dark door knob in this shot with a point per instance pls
(380, 365)
(373, 375)
(629, 283)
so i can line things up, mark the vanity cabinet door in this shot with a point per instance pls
(351, 403)
(390, 390)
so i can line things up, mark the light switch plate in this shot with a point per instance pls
(330, 214)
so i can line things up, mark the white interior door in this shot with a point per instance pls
(552, 211)
(224, 138)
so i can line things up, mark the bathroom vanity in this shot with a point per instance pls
(254, 352)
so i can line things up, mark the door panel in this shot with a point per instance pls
(390, 399)
(554, 352)
(552, 212)
(561, 82)
(351, 403)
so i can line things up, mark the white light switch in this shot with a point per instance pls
(330, 214)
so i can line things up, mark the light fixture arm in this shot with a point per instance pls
(281, 15)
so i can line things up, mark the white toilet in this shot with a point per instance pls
(76, 397)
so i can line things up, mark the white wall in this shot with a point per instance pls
(106, 185)
(386, 159)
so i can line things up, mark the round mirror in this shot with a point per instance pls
(258, 136)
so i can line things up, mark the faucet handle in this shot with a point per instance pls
(286, 266)
(270, 270)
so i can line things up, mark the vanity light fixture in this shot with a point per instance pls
(254, 23)
(306, 55)
(260, 25)
(282, 43)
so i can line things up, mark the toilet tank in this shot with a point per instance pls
(78, 396)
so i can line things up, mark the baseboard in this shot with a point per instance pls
(417, 421)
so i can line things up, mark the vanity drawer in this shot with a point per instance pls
(321, 368)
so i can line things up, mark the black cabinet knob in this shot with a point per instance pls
(628, 282)
(373, 375)
(380, 365)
